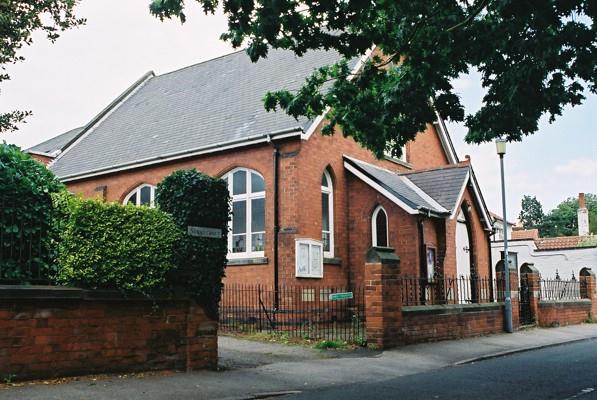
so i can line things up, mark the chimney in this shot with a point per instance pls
(583, 216)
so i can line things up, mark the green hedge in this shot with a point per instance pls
(114, 246)
(26, 213)
(195, 199)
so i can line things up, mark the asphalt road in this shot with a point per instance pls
(562, 372)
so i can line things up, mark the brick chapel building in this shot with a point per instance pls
(306, 207)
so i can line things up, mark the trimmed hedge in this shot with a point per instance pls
(26, 213)
(114, 246)
(195, 199)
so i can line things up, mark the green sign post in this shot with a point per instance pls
(340, 296)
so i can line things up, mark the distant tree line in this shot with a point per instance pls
(561, 221)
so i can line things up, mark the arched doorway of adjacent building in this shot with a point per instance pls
(464, 256)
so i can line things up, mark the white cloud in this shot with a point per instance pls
(578, 167)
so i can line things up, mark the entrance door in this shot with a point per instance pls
(463, 248)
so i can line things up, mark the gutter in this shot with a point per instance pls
(246, 141)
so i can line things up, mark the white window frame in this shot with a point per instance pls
(402, 158)
(247, 197)
(137, 191)
(374, 226)
(329, 190)
(312, 244)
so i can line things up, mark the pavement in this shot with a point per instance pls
(253, 370)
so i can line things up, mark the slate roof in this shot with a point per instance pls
(566, 242)
(55, 143)
(208, 104)
(399, 186)
(444, 184)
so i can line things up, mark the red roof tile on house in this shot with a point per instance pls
(566, 242)
(525, 234)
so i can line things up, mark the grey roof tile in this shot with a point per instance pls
(396, 184)
(55, 143)
(443, 184)
(206, 104)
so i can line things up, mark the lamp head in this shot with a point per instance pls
(500, 146)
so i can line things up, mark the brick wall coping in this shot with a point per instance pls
(23, 292)
(565, 303)
(450, 308)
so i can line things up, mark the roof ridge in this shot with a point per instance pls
(201, 62)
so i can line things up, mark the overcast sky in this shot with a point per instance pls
(66, 83)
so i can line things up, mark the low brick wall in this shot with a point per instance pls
(48, 331)
(563, 312)
(442, 322)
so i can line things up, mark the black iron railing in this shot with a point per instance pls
(308, 312)
(23, 250)
(558, 289)
(416, 291)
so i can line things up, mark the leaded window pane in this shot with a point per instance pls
(145, 196)
(257, 183)
(239, 217)
(239, 182)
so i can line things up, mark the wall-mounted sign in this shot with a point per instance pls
(202, 231)
(340, 296)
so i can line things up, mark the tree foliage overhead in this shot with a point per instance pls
(535, 57)
(531, 214)
(19, 19)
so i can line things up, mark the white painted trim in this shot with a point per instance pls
(374, 226)
(111, 108)
(422, 194)
(445, 140)
(481, 206)
(174, 156)
(460, 195)
(317, 122)
(38, 153)
(380, 189)
(310, 243)
(330, 192)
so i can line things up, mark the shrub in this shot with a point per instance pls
(26, 215)
(195, 199)
(114, 246)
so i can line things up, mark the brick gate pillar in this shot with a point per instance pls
(534, 281)
(513, 276)
(383, 302)
(588, 288)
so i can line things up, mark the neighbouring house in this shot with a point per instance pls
(306, 207)
(498, 227)
(562, 256)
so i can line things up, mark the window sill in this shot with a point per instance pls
(247, 261)
(332, 261)
(399, 162)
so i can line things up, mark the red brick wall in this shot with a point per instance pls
(562, 313)
(42, 159)
(432, 323)
(58, 334)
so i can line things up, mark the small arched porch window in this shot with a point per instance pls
(379, 227)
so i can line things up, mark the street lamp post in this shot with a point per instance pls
(500, 145)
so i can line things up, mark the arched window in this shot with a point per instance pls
(247, 227)
(143, 195)
(379, 227)
(327, 217)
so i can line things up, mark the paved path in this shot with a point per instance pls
(251, 368)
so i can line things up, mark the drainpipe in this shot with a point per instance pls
(276, 157)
